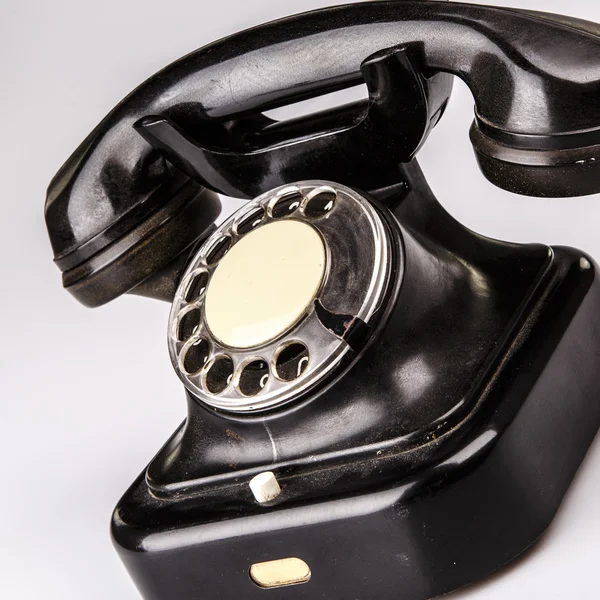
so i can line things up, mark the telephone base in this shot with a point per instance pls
(440, 528)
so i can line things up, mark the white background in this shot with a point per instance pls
(88, 396)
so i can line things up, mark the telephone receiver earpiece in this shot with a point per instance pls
(199, 124)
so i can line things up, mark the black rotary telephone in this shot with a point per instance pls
(381, 403)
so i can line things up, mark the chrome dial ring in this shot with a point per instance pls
(269, 371)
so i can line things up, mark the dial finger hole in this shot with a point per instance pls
(253, 378)
(188, 325)
(196, 356)
(196, 287)
(291, 361)
(286, 203)
(249, 221)
(320, 202)
(219, 374)
(218, 250)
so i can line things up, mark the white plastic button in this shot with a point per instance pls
(265, 487)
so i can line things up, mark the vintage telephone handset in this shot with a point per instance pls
(381, 403)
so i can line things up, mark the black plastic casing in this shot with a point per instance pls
(413, 517)
(445, 447)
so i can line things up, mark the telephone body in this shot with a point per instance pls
(381, 402)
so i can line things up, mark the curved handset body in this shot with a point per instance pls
(535, 79)
(445, 356)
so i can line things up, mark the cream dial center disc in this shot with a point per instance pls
(265, 283)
